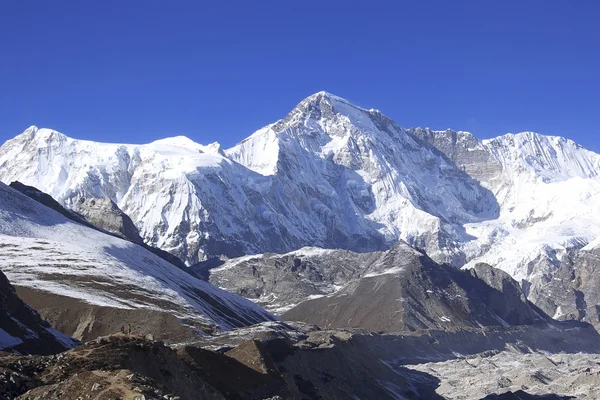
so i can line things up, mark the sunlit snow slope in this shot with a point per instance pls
(43, 250)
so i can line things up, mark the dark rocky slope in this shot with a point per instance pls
(122, 366)
(21, 328)
(406, 290)
(279, 281)
(570, 291)
(279, 361)
(85, 321)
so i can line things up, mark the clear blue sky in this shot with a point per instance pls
(135, 71)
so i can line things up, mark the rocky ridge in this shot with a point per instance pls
(405, 290)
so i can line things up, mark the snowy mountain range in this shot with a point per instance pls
(334, 175)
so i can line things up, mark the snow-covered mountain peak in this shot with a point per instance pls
(30, 132)
(336, 115)
(544, 158)
(328, 174)
(317, 120)
(327, 127)
(324, 96)
(41, 136)
(180, 141)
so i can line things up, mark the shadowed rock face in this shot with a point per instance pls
(571, 291)
(406, 290)
(504, 296)
(463, 150)
(21, 328)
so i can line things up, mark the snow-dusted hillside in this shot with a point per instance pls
(334, 175)
(43, 250)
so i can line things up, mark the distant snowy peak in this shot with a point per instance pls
(40, 134)
(186, 143)
(548, 158)
(177, 141)
(58, 164)
(172, 146)
(336, 117)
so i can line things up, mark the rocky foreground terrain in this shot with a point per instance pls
(293, 361)
(278, 360)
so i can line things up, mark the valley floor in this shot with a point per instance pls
(475, 377)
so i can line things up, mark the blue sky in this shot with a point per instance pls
(135, 71)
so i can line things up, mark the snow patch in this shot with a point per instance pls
(7, 341)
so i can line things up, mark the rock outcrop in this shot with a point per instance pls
(280, 281)
(22, 330)
(571, 290)
(105, 214)
(293, 361)
(405, 290)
